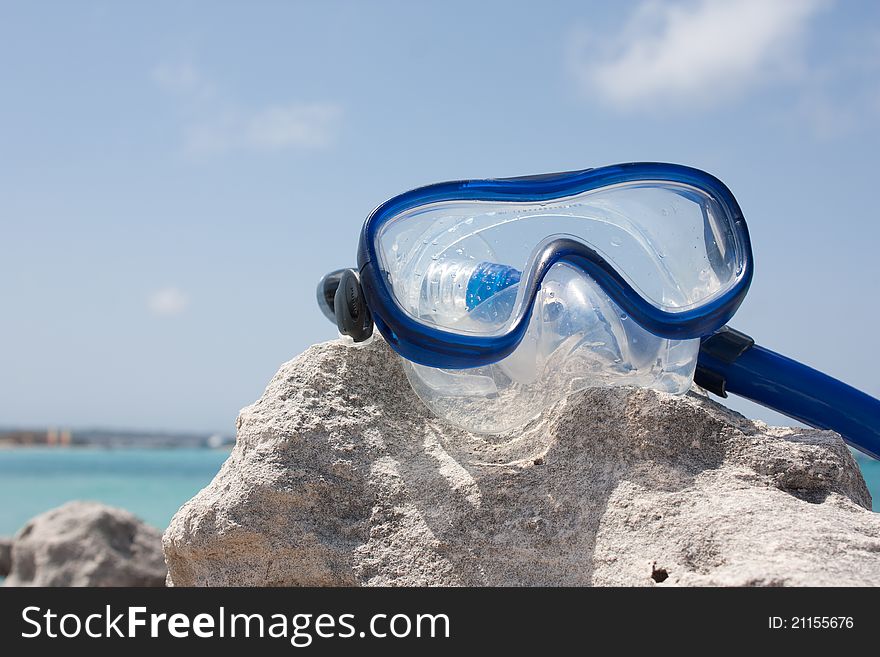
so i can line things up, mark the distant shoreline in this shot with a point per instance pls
(102, 448)
(66, 437)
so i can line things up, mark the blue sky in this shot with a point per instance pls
(175, 177)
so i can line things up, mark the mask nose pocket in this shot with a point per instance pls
(571, 318)
(577, 338)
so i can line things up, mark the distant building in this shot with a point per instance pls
(51, 437)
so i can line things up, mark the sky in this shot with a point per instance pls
(176, 176)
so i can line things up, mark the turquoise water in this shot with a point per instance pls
(151, 483)
(871, 473)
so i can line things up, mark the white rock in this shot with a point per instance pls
(340, 476)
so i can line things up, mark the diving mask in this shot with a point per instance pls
(504, 296)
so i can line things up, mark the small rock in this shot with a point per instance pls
(87, 544)
(5, 556)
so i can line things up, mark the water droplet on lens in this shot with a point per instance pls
(615, 241)
(623, 316)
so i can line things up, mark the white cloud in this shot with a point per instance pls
(214, 125)
(294, 125)
(167, 302)
(180, 78)
(694, 54)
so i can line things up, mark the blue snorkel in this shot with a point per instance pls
(731, 362)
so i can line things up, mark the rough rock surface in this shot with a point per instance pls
(340, 476)
(5, 556)
(87, 544)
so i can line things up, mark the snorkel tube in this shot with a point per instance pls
(731, 362)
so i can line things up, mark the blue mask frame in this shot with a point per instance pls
(435, 347)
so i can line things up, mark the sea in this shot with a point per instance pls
(151, 483)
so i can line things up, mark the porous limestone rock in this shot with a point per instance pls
(87, 544)
(340, 476)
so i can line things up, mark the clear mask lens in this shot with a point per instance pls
(446, 261)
